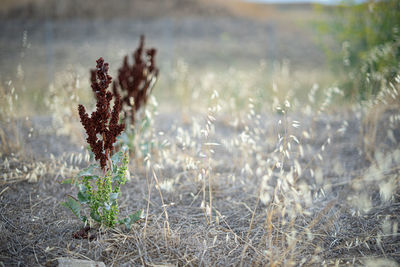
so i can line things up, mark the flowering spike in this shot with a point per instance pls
(137, 81)
(102, 126)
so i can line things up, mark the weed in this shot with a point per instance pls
(101, 191)
(136, 82)
(140, 137)
(10, 142)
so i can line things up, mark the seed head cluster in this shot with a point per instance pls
(102, 126)
(135, 82)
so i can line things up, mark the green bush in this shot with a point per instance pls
(365, 47)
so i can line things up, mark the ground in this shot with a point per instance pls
(248, 223)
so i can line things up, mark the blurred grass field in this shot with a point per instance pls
(251, 154)
(39, 51)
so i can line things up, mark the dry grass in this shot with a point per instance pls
(241, 177)
(9, 135)
(384, 105)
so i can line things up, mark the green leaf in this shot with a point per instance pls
(91, 177)
(68, 181)
(94, 214)
(74, 206)
(116, 158)
(87, 172)
(117, 178)
(131, 219)
(82, 188)
(113, 196)
(126, 221)
(124, 149)
(83, 197)
(136, 216)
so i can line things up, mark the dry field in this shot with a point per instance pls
(250, 158)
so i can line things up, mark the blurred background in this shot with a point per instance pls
(44, 42)
(43, 39)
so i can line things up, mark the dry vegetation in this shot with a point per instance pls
(250, 167)
(239, 180)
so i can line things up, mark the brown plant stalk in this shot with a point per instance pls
(102, 127)
(136, 82)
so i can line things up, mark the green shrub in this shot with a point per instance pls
(365, 47)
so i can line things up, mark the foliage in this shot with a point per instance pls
(101, 192)
(366, 46)
(103, 202)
